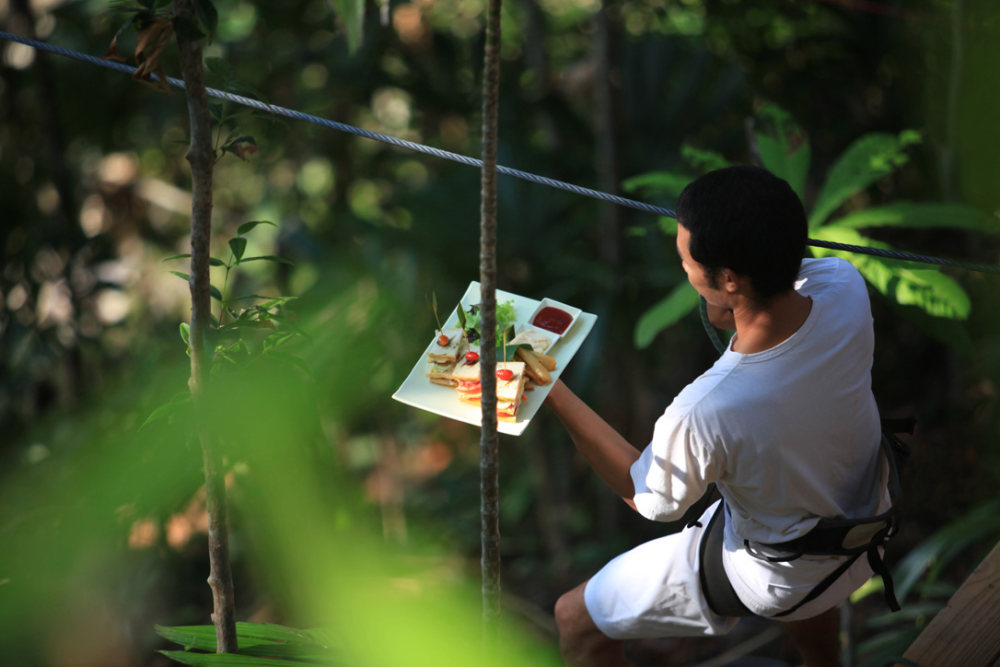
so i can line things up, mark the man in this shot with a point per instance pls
(784, 423)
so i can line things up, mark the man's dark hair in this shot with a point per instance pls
(747, 220)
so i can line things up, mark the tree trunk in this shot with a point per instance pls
(606, 95)
(201, 157)
(488, 461)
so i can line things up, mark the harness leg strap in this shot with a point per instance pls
(715, 584)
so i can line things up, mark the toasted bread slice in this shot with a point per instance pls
(447, 354)
(440, 373)
(509, 391)
(464, 372)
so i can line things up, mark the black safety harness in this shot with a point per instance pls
(830, 537)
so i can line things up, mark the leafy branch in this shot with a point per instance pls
(783, 148)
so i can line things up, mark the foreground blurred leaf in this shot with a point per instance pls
(676, 305)
(178, 402)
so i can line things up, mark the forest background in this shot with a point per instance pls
(344, 502)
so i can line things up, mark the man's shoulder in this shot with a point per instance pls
(707, 393)
(834, 266)
(823, 273)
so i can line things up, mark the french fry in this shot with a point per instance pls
(533, 367)
(547, 361)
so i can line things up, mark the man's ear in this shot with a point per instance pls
(732, 282)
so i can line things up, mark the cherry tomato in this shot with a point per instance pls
(471, 358)
(443, 340)
(505, 374)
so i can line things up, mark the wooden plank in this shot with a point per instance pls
(966, 633)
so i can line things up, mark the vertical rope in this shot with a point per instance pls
(488, 448)
(713, 334)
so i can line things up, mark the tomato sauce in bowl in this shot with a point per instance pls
(552, 319)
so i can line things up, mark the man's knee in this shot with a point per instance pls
(572, 617)
(816, 639)
(580, 640)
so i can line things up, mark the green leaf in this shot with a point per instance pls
(202, 637)
(350, 15)
(782, 147)
(214, 291)
(269, 258)
(681, 301)
(667, 225)
(238, 245)
(922, 215)
(864, 162)
(981, 524)
(916, 613)
(176, 403)
(887, 647)
(658, 182)
(188, 30)
(185, 329)
(928, 289)
(785, 162)
(702, 160)
(510, 351)
(228, 660)
(247, 226)
(181, 274)
(208, 16)
(242, 147)
(212, 261)
(506, 335)
(220, 67)
(299, 653)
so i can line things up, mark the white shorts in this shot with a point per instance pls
(654, 591)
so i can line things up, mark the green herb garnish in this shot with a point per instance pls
(473, 318)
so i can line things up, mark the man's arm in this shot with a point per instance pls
(607, 452)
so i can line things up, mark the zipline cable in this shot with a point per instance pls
(471, 161)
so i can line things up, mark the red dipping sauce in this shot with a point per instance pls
(552, 319)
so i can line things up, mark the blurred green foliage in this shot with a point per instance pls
(343, 499)
(781, 146)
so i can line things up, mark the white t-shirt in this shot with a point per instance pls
(789, 435)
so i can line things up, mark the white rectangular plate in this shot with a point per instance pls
(418, 391)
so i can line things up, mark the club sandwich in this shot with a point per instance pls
(510, 392)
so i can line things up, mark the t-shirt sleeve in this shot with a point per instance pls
(674, 470)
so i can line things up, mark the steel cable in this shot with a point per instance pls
(471, 161)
